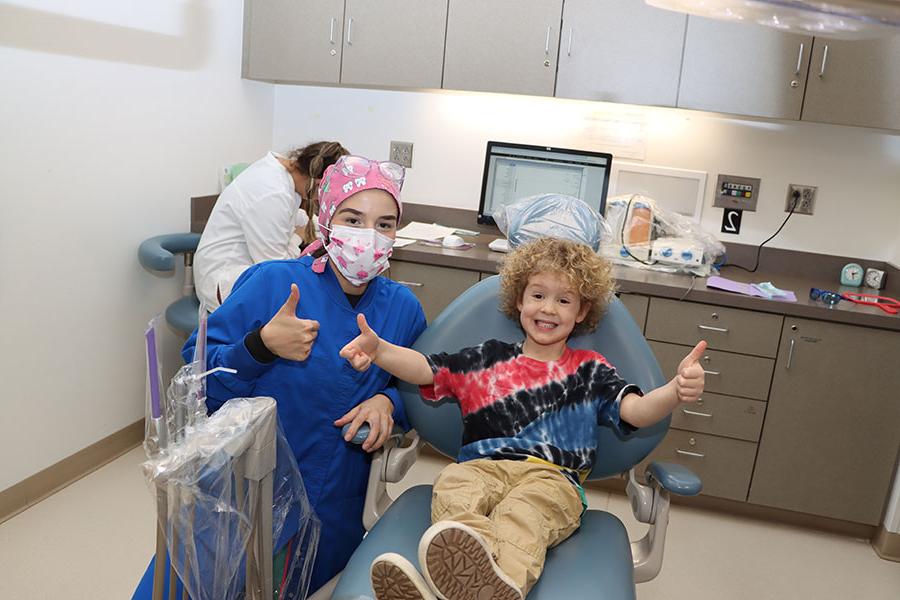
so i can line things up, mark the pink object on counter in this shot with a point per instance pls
(747, 289)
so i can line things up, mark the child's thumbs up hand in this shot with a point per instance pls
(286, 335)
(360, 352)
(690, 379)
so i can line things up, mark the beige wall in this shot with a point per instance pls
(112, 117)
(857, 170)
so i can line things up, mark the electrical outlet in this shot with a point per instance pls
(804, 196)
(401, 153)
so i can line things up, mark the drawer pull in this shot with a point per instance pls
(694, 413)
(411, 283)
(691, 454)
(712, 372)
(711, 328)
(790, 355)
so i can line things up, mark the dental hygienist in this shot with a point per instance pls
(255, 216)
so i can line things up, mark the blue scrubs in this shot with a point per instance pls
(311, 394)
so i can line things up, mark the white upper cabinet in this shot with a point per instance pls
(502, 46)
(744, 69)
(620, 51)
(290, 40)
(854, 83)
(395, 43)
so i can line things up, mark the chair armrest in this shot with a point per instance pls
(389, 465)
(674, 478)
(650, 504)
(363, 432)
(158, 253)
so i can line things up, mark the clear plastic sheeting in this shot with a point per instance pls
(646, 236)
(228, 491)
(839, 19)
(551, 215)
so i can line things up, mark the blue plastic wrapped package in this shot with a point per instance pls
(552, 215)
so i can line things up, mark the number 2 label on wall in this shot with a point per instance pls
(731, 220)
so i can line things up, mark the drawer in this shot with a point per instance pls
(729, 329)
(724, 465)
(722, 415)
(435, 287)
(726, 373)
(637, 306)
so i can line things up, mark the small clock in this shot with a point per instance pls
(852, 274)
(875, 279)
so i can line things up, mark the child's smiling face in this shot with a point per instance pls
(550, 308)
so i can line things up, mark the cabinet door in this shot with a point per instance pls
(620, 51)
(743, 69)
(291, 40)
(502, 46)
(637, 306)
(830, 439)
(435, 287)
(854, 83)
(394, 43)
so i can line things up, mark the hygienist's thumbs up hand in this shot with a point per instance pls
(361, 351)
(286, 335)
(690, 379)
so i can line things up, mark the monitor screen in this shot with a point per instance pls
(516, 171)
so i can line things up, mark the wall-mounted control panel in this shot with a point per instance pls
(733, 191)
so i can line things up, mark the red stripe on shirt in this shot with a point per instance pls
(477, 390)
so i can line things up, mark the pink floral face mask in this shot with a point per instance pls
(359, 254)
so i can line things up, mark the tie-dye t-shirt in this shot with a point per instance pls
(515, 407)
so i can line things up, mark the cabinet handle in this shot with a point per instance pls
(710, 328)
(799, 60)
(694, 413)
(712, 372)
(547, 41)
(569, 48)
(790, 356)
(692, 454)
(350, 31)
(331, 33)
(824, 60)
(411, 283)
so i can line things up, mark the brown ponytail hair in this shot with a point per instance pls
(312, 161)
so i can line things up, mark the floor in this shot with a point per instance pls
(92, 541)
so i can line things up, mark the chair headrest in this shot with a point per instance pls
(475, 317)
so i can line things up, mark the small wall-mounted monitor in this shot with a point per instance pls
(516, 171)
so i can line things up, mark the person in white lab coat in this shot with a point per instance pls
(257, 215)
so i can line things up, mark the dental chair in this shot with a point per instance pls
(597, 561)
(157, 254)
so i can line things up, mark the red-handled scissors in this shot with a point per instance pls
(889, 305)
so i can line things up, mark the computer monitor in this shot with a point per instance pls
(516, 171)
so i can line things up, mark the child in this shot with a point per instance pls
(529, 428)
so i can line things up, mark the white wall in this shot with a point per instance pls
(113, 113)
(857, 170)
(896, 259)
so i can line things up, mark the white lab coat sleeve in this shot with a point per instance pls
(268, 226)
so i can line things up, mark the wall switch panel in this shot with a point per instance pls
(734, 191)
(401, 153)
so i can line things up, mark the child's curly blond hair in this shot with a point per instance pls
(589, 274)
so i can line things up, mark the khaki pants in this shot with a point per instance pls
(520, 509)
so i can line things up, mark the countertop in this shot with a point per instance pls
(666, 285)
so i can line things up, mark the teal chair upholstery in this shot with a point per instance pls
(157, 254)
(598, 561)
